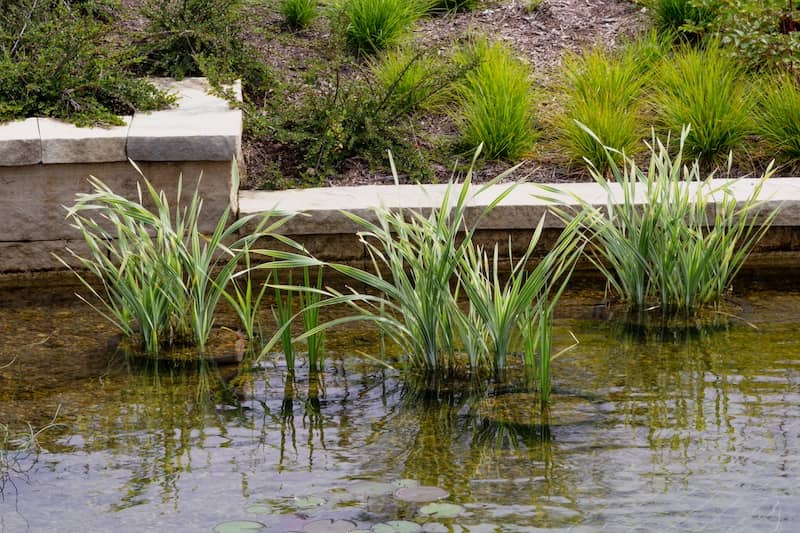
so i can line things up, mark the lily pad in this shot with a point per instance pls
(397, 526)
(259, 509)
(368, 489)
(405, 483)
(421, 494)
(442, 510)
(239, 526)
(308, 502)
(330, 526)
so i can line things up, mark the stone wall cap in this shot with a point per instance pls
(203, 127)
(63, 142)
(521, 209)
(20, 143)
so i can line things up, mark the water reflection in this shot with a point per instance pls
(648, 428)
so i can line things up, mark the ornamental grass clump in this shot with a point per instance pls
(778, 117)
(161, 278)
(605, 90)
(374, 25)
(411, 79)
(495, 102)
(669, 238)
(705, 89)
(299, 13)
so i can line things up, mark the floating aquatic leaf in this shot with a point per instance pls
(397, 526)
(330, 526)
(308, 502)
(259, 509)
(421, 494)
(239, 526)
(367, 489)
(442, 510)
(405, 483)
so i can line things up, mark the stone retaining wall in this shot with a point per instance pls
(44, 163)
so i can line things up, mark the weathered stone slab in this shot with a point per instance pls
(20, 143)
(202, 128)
(31, 206)
(40, 255)
(63, 142)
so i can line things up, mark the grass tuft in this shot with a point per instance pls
(496, 102)
(778, 117)
(605, 91)
(704, 89)
(374, 25)
(298, 13)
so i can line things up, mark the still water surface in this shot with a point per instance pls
(661, 431)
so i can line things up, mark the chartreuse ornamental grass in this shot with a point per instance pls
(605, 90)
(161, 278)
(661, 243)
(495, 102)
(778, 116)
(705, 89)
(374, 25)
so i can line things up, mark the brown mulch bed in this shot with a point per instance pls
(541, 38)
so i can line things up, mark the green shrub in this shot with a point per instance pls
(496, 102)
(354, 119)
(181, 34)
(374, 25)
(299, 13)
(605, 92)
(755, 32)
(704, 88)
(55, 62)
(778, 116)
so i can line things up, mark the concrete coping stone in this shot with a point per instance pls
(521, 209)
(20, 143)
(202, 127)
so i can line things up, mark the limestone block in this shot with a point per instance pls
(66, 143)
(20, 143)
(202, 128)
(34, 196)
(39, 255)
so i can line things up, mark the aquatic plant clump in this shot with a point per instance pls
(421, 263)
(161, 278)
(668, 237)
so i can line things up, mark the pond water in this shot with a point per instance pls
(649, 431)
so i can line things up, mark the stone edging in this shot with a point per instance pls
(520, 210)
(201, 128)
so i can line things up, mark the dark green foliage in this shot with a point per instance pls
(183, 36)
(56, 61)
(683, 18)
(355, 120)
